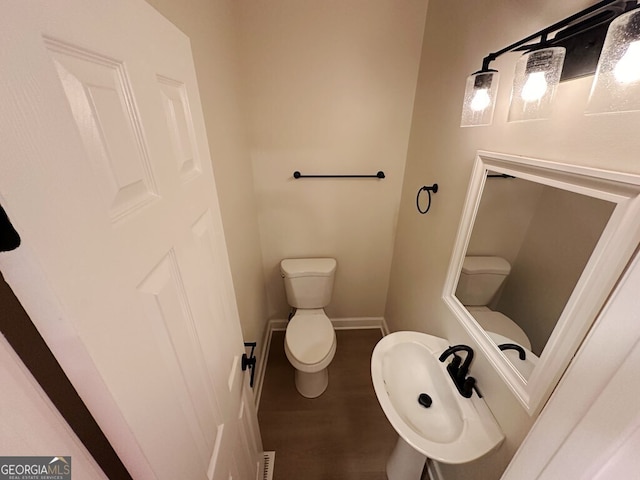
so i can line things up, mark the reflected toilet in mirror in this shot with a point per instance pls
(479, 287)
(480, 281)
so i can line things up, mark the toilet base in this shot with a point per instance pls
(312, 385)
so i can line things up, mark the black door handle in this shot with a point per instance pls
(9, 238)
(250, 361)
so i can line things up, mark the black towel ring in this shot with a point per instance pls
(433, 188)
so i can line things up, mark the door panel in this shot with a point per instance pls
(102, 105)
(180, 125)
(107, 177)
(170, 315)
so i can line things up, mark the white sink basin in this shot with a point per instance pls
(453, 429)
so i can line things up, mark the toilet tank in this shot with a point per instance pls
(481, 278)
(308, 281)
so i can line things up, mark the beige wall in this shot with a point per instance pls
(330, 89)
(457, 36)
(504, 216)
(211, 26)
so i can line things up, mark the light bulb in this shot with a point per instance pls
(481, 99)
(535, 87)
(627, 70)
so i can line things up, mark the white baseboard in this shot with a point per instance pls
(277, 325)
(355, 323)
(272, 325)
(359, 323)
(349, 323)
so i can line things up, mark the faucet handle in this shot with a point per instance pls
(454, 366)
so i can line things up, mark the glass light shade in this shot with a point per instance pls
(534, 85)
(479, 99)
(616, 87)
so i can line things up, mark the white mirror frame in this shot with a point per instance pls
(612, 253)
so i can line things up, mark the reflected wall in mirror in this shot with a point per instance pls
(537, 253)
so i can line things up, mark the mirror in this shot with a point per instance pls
(547, 235)
(562, 235)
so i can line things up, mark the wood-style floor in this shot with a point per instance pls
(341, 435)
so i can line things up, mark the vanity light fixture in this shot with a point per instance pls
(616, 87)
(568, 49)
(480, 98)
(537, 76)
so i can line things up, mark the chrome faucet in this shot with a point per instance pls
(459, 370)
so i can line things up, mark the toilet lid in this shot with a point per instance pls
(310, 336)
(496, 322)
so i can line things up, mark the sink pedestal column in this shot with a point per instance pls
(405, 462)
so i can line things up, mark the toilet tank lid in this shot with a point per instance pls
(474, 265)
(299, 267)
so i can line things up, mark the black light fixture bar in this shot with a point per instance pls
(544, 33)
(568, 49)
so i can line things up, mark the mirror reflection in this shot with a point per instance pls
(529, 246)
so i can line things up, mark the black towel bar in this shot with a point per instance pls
(297, 174)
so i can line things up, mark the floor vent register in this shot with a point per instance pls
(267, 472)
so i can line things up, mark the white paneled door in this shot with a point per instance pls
(106, 174)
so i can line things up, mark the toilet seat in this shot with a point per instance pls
(499, 323)
(310, 340)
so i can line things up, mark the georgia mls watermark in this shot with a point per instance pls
(35, 468)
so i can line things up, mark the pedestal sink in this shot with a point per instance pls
(452, 429)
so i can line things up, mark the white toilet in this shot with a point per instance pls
(310, 341)
(480, 280)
